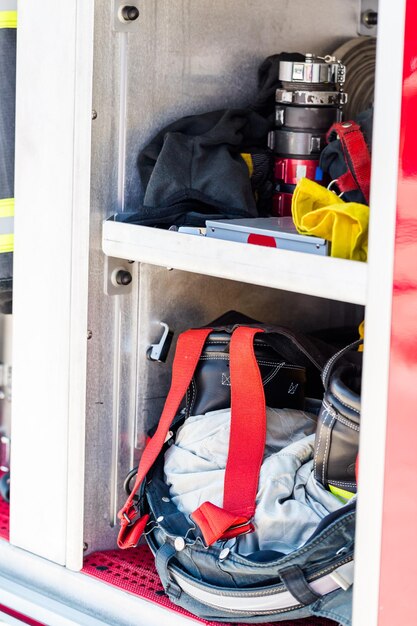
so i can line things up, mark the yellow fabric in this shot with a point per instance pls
(7, 207)
(361, 331)
(6, 243)
(342, 494)
(248, 160)
(8, 19)
(319, 212)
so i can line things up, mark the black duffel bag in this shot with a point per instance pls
(337, 437)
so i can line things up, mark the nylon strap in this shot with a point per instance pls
(248, 425)
(356, 155)
(189, 347)
(246, 445)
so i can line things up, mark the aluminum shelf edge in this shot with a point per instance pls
(324, 277)
(56, 596)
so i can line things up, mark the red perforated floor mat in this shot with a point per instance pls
(4, 520)
(134, 571)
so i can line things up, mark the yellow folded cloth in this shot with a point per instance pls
(319, 212)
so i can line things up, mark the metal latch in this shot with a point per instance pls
(159, 351)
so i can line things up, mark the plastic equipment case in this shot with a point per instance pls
(84, 391)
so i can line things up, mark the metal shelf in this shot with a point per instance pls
(325, 277)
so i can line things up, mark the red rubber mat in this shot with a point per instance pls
(134, 571)
(4, 520)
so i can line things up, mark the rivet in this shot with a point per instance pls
(179, 544)
(224, 554)
(160, 518)
(165, 499)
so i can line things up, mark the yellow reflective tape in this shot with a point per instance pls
(6, 243)
(8, 19)
(341, 493)
(7, 207)
(248, 160)
(361, 331)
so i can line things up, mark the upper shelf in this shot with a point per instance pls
(325, 277)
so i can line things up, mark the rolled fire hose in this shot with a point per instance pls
(359, 57)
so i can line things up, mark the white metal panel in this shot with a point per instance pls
(54, 70)
(386, 134)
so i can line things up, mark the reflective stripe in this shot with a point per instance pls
(6, 225)
(6, 243)
(259, 600)
(8, 5)
(8, 19)
(341, 493)
(7, 207)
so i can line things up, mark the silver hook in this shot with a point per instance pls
(155, 523)
(330, 188)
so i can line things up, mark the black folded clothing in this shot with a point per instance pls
(193, 170)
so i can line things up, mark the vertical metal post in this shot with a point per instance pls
(398, 579)
(52, 189)
(385, 150)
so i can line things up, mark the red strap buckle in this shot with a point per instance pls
(215, 523)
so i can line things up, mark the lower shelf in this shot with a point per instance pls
(134, 572)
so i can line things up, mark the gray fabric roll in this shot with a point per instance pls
(290, 503)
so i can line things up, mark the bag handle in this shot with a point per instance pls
(189, 348)
(328, 368)
(356, 155)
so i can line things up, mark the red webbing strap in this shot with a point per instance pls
(356, 155)
(247, 427)
(246, 445)
(189, 347)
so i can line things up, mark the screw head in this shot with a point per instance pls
(93, 114)
(89, 334)
(370, 18)
(130, 13)
(123, 277)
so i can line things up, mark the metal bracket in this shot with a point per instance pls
(117, 276)
(159, 351)
(120, 24)
(366, 25)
